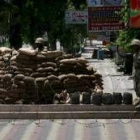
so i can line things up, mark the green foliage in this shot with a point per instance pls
(24, 20)
(125, 36)
(72, 36)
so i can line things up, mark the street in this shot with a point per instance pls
(93, 129)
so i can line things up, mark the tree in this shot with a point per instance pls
(24, 20)
(125, 36)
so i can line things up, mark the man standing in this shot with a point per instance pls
(136, 66)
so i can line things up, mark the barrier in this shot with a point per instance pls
(68, 112)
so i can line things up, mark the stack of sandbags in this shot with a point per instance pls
(52, 85)
(37, 76)
(47, 64)
(52, 55)
(87, 80)
(26, 61)
(71, 83)
(74, 65)
(31, 89)
(5, 54)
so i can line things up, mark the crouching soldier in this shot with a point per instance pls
(39, 43)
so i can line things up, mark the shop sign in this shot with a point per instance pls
(95, 2)
(104, 18)
(113, 2)
(76, 17)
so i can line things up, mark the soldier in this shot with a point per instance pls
(39, 43)
(136, 67)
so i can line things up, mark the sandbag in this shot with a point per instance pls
(20, 65)
(117, 98)
(2, 64)
(65, 69)
(14, 63)
(25, 69)
(52, 54)
(90, 70)
(9, 100)
(56, 84)
(107, 99)
(4, 50)
(97, 75)
(27, 63)
(62, 77)
(20, 84)
(127, 98)
(19, 77)
(68, 61)
(66, 56)
(72, 76)
(30, 82)
(86, 82)
(40, 80)
(15, 52)
(86, 98)
(82, 60)
(13, 58)
(75, 98)
(7, 77)
(28, 79)
(37, 74)
(28, 51)
(74, 88)
(1, 58)
(96, 99)
(39, 57)
(16, 92)
(52, 77)
(7, 85)
(21, 72)
(46, 69)
(3, 93)
(85, 76)
(49, 64)
(2, 72)
(23, 57)
(70, 82)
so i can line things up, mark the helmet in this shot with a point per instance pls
(135, 42)
(39, 40)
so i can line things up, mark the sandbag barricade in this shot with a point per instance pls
(31, 77)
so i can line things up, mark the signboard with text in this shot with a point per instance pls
(113, 2)
(76, 17)
(104, 2)
(94, 2)
(104, 18)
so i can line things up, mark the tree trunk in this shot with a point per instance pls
(15, 38)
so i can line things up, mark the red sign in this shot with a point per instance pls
(135, 13)
(104, 18)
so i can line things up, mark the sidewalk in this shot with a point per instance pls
(113, 81)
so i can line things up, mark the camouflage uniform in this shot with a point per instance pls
(136, 65)
(136, 72)
(39, 43)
